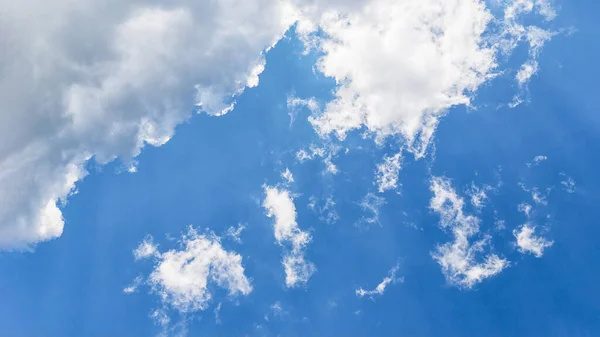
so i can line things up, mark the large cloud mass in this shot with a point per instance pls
(100, 79)
(83, 79)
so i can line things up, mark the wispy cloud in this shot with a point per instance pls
(459, 258)
(381, 287)
(279, 205)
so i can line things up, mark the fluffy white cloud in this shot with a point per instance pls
(380, 289)
(102, 79)
(400, 65)
(279, 204)
(181, 277)
(387, 173)
(464, 263)
(529, 243)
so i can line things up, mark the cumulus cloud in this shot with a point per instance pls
(381, 287)
(279, 204)
(400, 65)
(464, 262)
(387, 173)
(529, 243)
(181, 277)
(124, 78)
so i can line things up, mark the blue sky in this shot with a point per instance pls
(314, 205)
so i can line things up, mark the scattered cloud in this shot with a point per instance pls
(371, 203)
(275, 311)
(294, 104)
(381, 287)
(537, 160)
(535, 37)
(217, 312)
(287, 176)
(235, 233)
(181, 277)
(133, 287)
(529, 243)
(478, 195)
(568, 184)
(538, 197)
(525, 208)
(459, 258)
(326, 211)
(279, 204)
(388, 172)
(326, 152)
(146, 249)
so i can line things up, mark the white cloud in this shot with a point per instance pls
(327, 212)
(133, 287)
(217, 312)
(235, 233)
(568, 184)
(529, 243)
(478, 195)
(125, 77)
(380, 289)
(275, 311)
(464, 263)
(279, 204)
(371, 203)
(388, 172)
(537, 160)
(400, 65)
(538, 197)
(524, 208)
(181, 277)
(326, 152)
(146, 249)
(287, 176)
(294, 104)
(160, 317)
